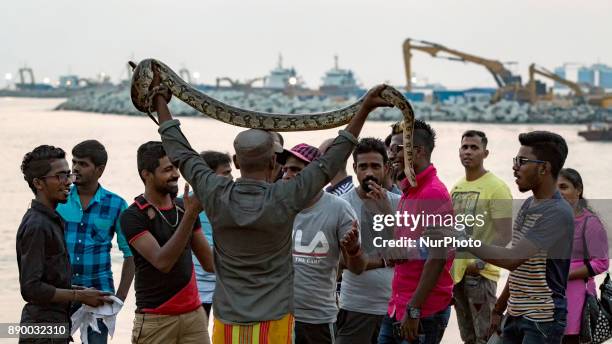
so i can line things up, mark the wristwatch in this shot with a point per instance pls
(413, 312)
(480, 264)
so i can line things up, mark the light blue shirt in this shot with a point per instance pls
(206, 280)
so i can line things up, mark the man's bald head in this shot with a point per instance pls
(254, 150)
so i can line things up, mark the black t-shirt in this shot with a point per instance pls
(170, 293)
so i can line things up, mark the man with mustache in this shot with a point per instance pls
(364, 297)
(42, 257)
(539, 255)
(419, 307)
(479, 194)
(323, 232)
(162, 233)
(91, 218)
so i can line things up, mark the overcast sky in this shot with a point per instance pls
(242, 39)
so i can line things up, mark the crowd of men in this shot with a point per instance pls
(266, 250)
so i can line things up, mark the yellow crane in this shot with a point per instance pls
(534, 70)
(594, 95)
(503, 77)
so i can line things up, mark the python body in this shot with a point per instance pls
(142, 100)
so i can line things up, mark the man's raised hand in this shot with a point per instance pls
(350, 241)
(192, 203)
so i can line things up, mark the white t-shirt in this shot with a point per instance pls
(370, 291)
(317, 232)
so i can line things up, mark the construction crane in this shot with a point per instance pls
(531, 84)
(248, 84)
(28, 71)
(594, 95)
(503, 77)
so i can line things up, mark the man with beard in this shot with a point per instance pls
(42, 257)
(364, 297)
(483, 195)
(539, 255)
(91, 219)
(325, 230)
(162, 233)
(422, 287)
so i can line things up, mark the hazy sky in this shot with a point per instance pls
(242, 39)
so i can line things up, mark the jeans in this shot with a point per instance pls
(520, 330)
(95, 337)
(433, 329)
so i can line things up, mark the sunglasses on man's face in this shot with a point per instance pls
(62, 178)
(520, 161)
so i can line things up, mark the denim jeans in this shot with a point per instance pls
(519, 330)
(433, 329)
(95, 337)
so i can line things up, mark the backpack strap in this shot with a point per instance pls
(585, 251)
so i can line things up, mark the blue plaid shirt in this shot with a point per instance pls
(89, 234)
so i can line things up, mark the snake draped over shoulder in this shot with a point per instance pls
(142, 100)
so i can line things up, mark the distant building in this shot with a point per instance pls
(598, 75)
(605, 75)
(560, 71)
(586, 76)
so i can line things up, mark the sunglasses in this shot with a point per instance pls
(520, 161)
(62, 177)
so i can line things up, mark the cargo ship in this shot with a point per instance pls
(340, 82)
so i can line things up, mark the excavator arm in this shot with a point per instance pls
(535, 70)
(503, 77)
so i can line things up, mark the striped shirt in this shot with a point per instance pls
(89, 233)
(344, 186)
(537, 287)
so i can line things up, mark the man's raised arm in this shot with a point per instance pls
(316, 175)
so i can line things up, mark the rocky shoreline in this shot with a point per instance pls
(116, 100)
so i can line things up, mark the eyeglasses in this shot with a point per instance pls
(520, 161)
(62, 177)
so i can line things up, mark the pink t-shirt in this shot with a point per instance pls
(430, 196)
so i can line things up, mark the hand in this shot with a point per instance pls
(121, 297)
(410, 328)
(93, 297)
(193, 205)
(350, 242)
(494, 326)
(376, 191)
(472, 269)
(395, 256)
(77, 287)
(373, 99)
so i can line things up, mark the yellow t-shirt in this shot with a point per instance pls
(489, 197)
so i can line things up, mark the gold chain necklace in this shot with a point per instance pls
(162, 215)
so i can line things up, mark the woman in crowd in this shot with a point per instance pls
(587, 227)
